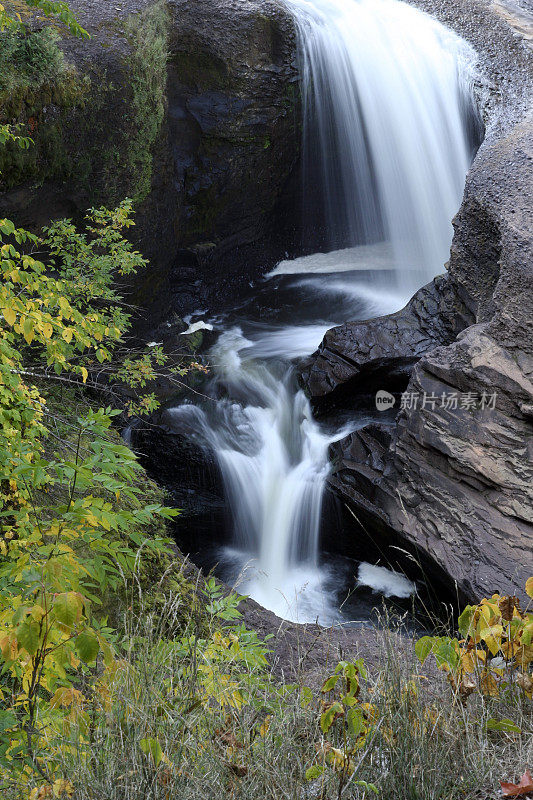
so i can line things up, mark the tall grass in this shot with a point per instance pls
(194, 712)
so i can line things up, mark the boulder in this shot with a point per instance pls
(358, 355)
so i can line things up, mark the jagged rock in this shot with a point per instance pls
(455, 485)
(386, 348)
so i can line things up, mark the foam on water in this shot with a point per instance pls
(371, 257)
(384, 581)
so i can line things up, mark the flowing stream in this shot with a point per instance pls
(386, 146)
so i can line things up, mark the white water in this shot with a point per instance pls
(274, 463)
(364, 257)
(386, 92)
(384, 581)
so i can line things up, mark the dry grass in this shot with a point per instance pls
(425, 744)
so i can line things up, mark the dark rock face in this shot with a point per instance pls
(456, 484)
(232, 118)
(205, 145)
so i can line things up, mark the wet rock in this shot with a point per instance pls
(189, 473)
(232, 101)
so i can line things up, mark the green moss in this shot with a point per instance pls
(29, 58)
(202, 70)
(147, 66)
(37, 87)
(99, 133)
(41, 111)
(122, 157)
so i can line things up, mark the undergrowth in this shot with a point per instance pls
(200, 715)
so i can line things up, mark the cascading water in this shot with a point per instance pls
(387, 103)
(274, 463)
(386, 143)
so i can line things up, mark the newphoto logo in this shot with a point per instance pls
(384, 400)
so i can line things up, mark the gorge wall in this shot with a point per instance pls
(204, 140)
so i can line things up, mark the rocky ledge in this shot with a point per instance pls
(453, 482)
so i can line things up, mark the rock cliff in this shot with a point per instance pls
(189, 107)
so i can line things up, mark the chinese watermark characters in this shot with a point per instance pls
(450, 401)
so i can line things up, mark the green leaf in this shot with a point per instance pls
(87, 646)
(423, 647)
(506, 725)
(152, 748)
(464, 622)
(356, 721)
(445, 653)
(28, 636)
(7, 720)
(67, 608)
(330, 683)
(328, 717)
(369, 786)
(314, 772)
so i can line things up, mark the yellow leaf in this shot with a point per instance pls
(63, 786)
(468, 664)
(489, 686)
(524, 655)
(29, 335)
(10, 316)
(529, 582)
(509, 650)
(67, 335)
(47, 330)
(492, 637)
(66, 696)
(37, 613)
(265, 725)
(84, 374)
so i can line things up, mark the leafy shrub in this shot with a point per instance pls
(66, 536)
(29, 57)
(496, 651)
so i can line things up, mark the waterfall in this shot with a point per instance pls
(386, 104)
(387, 107)
(273, 460)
